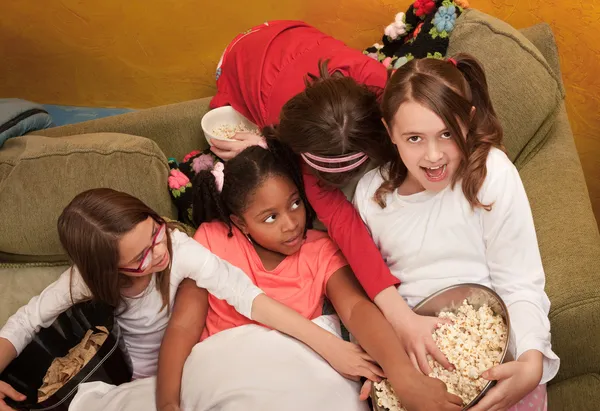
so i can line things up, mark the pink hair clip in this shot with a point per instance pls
(360, 157)
(453, 61)
(219, 175)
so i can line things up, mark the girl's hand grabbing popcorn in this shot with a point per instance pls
(421, 393)
(351, 361)
(515, 379)
(415, 332)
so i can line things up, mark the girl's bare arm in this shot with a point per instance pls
(375, 334)
(183, 333)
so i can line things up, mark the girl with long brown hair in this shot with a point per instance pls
(126, 256)
(449, 207)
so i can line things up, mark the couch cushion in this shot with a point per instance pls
(40, 175)
(20, 283)
(525, 91)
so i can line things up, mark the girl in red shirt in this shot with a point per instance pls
(320, 97)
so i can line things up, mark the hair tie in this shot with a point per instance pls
(359, 157)
(263, 143)
(203, 162)
(219, 175)
(453, 61)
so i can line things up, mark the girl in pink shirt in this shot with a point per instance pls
(252, 212)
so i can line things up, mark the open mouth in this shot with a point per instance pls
(437, 173)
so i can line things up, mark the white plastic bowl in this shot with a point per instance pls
(218, 117)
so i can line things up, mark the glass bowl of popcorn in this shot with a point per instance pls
(224, 122)
(476, 340)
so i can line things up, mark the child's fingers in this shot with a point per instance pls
(500, 372)
(4, 407)
(375, 369)
(365, 356)
(491, 399)
(421, 356)
(365, 391)
(246, 135)
(223, 154)
(439, 356)
(441, 321)
(8, 391)
(454, 399)
(369, 375)
(226, 145)
(413, 360)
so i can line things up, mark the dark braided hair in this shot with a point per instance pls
(243, 175)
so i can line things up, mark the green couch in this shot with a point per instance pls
(40, 174)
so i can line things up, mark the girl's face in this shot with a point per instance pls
(275, 217)
(426, 147)
(143, 250)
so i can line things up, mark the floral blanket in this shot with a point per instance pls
(422, 32)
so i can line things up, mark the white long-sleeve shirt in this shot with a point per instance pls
(144, 322)
(434, 240)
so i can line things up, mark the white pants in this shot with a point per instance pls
(247, 368)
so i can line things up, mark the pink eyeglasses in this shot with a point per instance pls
(148, 254)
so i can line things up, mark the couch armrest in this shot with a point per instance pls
(542, 37)
(175, 127)
(570, 246)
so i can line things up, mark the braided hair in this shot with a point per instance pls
(243, 175)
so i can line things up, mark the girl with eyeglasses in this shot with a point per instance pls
(125, 255)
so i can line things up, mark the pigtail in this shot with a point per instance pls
(484, 132)
(393, 175)
(207, 202)
(312, 80)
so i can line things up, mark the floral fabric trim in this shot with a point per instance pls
(422, 32)
(180, 180)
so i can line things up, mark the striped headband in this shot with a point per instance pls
(360, 157)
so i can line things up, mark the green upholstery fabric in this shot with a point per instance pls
(175, 127)
(525, 91)
(575, 394)
(570, 248)
(40, 175)
(19, 284)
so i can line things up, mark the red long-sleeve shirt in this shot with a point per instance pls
(260, 71)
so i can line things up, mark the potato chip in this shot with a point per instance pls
(63, 369)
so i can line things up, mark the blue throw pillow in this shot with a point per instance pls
(19, 117)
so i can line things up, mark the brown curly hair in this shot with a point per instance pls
(451, 91)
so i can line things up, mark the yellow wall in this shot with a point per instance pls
(146, 53)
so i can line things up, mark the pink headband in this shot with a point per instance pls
(451, 60)
(361, 157)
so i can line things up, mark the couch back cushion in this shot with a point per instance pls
(39, 176)
(525, 91)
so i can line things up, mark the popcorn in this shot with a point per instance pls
(473, 343)
(386, 397)
(228, 130)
